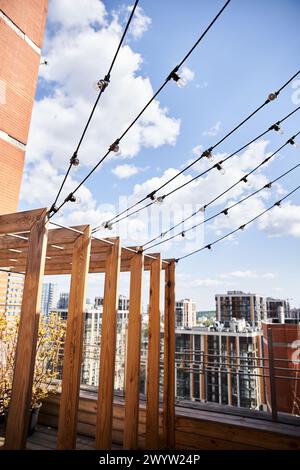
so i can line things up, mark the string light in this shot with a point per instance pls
(292, 142)
(273, 96)
(70, 198)
(220, 168)
(183, 234)
(208, 247)
(240, 228)
(244, 179)
(224, 211)
(101, 85)
(208, 154)
(107, 225)
(74, 160)
(115, 147)
(177, 77)
(268, 186)
(276, 127)
(159, 200)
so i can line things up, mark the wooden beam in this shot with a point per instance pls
(66, 436)
(19, 410)
(153, 366)
(20, 221)
(169, 358)
(132, 388)
(108, 350)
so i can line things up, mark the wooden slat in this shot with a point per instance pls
(20, 221)
(18, 416)
(133, 354)
(66, 438)
(108, 349)
(169, 358)
(153, 365)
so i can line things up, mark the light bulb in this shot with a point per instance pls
(163, 234)
(208, 154)
(278, 204)
(244, 179)
(268, 185)
(225, 211)
(159, 200)
(183, 234)
(293, 143)
(202, 209)
(107, 225)
(276, 127)
(272, 96)
(74, 160)
(182, 82)
(220, 168)
(242, 227)
(115, 148)
(208, 247)
(70, 198)
(101, 84)
(78, 200)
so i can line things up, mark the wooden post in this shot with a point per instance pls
(19, 410)
(67, 425)
(108, 349)
(132, 388)
(153, 366)
(169, 358)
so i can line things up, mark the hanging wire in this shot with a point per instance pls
(223, 211)
(125, 213)
(239, 181)
(173, 75)
(102, 84)
(242, 227)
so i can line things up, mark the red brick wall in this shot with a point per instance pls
(19, 65)
(11, 170)
(29, 15)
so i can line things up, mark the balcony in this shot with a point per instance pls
(98, 417)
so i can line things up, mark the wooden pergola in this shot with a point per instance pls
(28, 246)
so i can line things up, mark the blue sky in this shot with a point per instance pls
(251, 51)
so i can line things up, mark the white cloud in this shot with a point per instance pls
(248, 274)
(213, 131)
(140, 22)
(67, 15)
(282, 221)
(125, 171)
(77, 59)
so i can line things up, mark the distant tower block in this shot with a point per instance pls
(22, 25)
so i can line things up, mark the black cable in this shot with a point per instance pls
(74, 159)
(225, 210)
(151, 195)
(172, 75)
(242, 227)
(111, 221)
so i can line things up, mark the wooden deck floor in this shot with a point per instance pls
(44, 438)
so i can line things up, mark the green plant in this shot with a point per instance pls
(50, 342)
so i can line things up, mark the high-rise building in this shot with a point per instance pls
(11, 294)
(219, 365)
(92, 342)
(185, 313)
(48, 291)
(277, 308)
(63, 301)
(240, 305)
